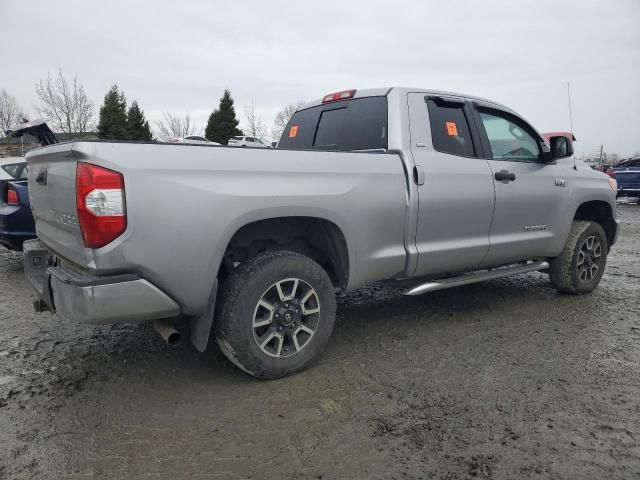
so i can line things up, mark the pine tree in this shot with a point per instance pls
(113, 116)
(137, 125)
(223, 124)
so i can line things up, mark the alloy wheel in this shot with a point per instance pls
(589, 258)
(286, 317)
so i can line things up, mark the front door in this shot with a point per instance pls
(531, 194)
(455, 188)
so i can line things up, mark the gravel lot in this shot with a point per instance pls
(506, 379)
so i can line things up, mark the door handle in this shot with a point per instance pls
(418, 175)
(505, 175)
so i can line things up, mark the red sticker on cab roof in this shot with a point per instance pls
(293, 131)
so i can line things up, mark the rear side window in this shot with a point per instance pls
(450, 129)
(358, 124)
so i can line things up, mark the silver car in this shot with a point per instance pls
(244, 141)
(193, 140)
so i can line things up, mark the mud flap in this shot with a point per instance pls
(201, 326)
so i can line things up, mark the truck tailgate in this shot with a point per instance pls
(52, 192)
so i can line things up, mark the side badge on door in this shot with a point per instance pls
(561, 182)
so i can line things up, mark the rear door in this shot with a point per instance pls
(455, 189)
(531, 194)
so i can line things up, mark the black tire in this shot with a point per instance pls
(265, 277)
(572, 271)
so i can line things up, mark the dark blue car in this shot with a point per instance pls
(16, 221)
(628, 177)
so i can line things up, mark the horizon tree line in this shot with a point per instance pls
(65, 105)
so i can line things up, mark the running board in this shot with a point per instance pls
(477, 277)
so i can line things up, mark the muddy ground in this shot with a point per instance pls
(506, 379)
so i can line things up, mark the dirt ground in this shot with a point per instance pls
(506, 379)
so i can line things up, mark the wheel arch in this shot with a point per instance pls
(315, 237)
(601, 212)
(312, 235)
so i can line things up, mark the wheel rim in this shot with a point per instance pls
(286, 317)
(589, 258)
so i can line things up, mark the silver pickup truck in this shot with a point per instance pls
(366, 185)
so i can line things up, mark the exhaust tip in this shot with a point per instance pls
(169, 334)
(174, 339)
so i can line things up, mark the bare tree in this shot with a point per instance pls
(64, 104)
(282, 118)
(255, 126)
(174, 126)
(10, 113)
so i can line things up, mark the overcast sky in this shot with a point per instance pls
(180, 56)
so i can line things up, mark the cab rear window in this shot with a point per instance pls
(358, 124)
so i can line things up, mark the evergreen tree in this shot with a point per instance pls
(223, 124)
(137, 125)
(113, 116)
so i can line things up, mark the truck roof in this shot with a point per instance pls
(384, 91)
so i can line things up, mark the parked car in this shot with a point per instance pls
(13, 168)
(628, 177)
(607, 169)
(244, 141)
(193, 140)
(16, 220)
(368, 185)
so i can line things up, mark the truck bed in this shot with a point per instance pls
(185, 202)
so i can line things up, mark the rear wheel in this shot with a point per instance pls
(581, 264)
(277, 312)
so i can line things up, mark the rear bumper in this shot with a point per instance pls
(97, 300)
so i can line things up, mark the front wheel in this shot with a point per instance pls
(581, 264)
(277, 312)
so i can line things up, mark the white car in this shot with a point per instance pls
(13, 168)
(244, 141)
(193, 140)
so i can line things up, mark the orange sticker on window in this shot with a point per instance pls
(452, 130)
(293, 131)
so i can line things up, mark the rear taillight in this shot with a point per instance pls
(12, 197)
(102, 211)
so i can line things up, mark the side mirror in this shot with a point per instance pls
(561, 147)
